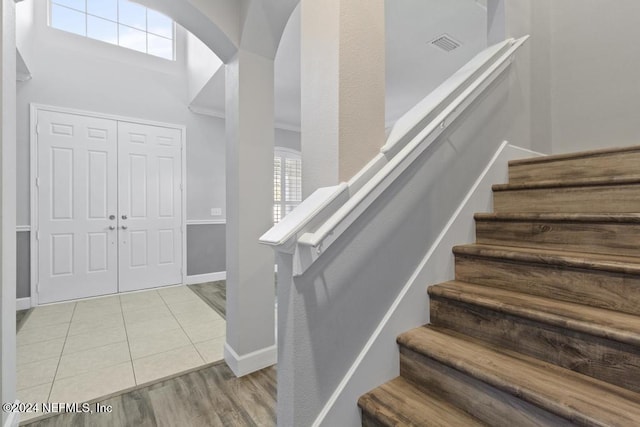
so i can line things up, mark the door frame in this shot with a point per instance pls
(34, 196)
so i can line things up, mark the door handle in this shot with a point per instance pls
(112, 227)
(124, 227)
(124, 217)
(112, 217)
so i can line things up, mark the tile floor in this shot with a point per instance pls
(78, 351)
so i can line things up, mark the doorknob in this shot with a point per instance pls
(124, 217)
(112, 227)
(112, 217)
(124, 227)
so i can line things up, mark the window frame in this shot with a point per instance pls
(173, 39)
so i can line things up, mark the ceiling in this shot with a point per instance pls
(414, 67)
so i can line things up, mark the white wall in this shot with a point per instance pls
(287, 139)
(80, 73)
(84, 74)
(581, 64)
(76, 72)
(202, 64)
(8, 220)
(595, 93)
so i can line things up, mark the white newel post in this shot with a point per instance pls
(250, 342)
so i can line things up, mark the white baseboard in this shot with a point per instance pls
(252, 362)
(204, 278)
(13, 419)
(23, 303)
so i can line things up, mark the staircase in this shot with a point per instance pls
(541, 326)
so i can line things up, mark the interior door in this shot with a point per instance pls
(150, 206)
(76, 182)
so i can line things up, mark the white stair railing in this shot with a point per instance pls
(319, 220)
(336, 296)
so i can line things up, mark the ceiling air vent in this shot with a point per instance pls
(446, 43)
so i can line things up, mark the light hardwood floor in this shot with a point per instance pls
(209, 396)
(214, 294)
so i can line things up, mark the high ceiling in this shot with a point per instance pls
(414, 67)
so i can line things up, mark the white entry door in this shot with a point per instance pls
(150, 206)
(77, 206)
(109, 215)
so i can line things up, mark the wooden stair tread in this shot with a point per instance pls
(566, 183)
(580, 155)
(599, 322)
(616, 218)
(400, 403)
(565, 393)
(603, 262)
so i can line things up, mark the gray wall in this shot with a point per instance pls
(202, 256)
(23, 265)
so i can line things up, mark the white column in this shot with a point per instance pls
(343, 88)
(8, 197)
(250, 266)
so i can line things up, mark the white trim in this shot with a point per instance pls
(183, 187)
(252, 362)
(206, 221)
(531, 152)
(23, 303)
(204, 278)
(13, 419)
(34, 195)
(287, 126)
(22, 228)
(116, 117)
(221, 114)
(211, 112)
(34, 108)
(411, 282)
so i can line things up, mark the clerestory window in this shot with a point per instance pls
(119, 22)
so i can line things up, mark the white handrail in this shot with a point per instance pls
(411, 135)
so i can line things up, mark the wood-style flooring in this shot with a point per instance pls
(214, 294)
(21, 316)
(209, 396)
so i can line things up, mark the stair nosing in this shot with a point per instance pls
(540, 316)
(408, 383)
(614, 218)
(499, 379)
(570, 156)
(577, 183)
(577, 260)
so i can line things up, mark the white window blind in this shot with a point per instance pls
(287, 182)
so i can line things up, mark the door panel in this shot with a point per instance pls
(77, 171)
(109, 206)
(150, 213)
